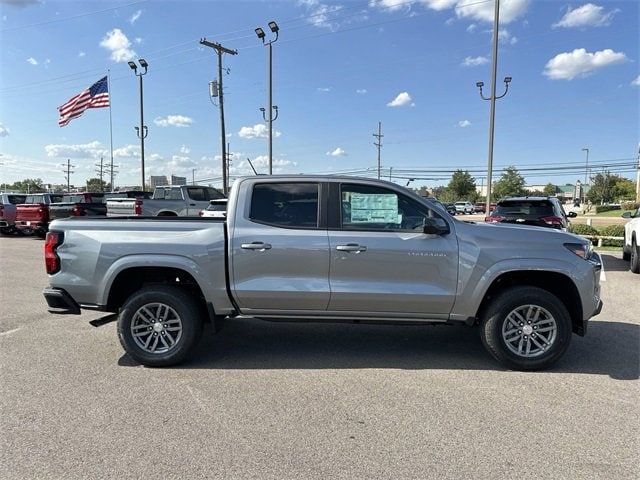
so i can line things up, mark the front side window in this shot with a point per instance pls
(288, 205)
(374, 208)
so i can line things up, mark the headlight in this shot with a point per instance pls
(580, 249)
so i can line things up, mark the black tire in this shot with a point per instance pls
(494, 319)
(634, 258)
(188, 314)
(6, 231)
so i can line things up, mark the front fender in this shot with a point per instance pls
(474, 289)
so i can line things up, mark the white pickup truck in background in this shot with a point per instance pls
(172, 201)
(631, 247)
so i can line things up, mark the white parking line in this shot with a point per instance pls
(603, 275)
(9, 332)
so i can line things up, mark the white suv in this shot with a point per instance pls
(464, 207)
(631, 248)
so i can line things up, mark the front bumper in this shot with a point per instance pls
(60, 302)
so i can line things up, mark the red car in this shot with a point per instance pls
(8, 209)
(32, 216)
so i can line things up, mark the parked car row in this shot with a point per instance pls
(536, 211)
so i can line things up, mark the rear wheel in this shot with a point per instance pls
(6, 230)
(626, 253)
(159, 325)
(634, 259)
(526, 328)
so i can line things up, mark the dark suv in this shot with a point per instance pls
(537, 211)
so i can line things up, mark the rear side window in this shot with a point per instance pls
(204, 194)
(537, 209)
(15, 199)
(288, 205)
(34, 199)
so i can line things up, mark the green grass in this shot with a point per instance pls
(610, 213)
(607, 249)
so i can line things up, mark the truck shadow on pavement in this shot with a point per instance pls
(610, 348)
(614, 264)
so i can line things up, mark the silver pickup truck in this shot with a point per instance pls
(167, 201)
(325, 249)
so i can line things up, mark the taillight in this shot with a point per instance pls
(51, 260)
(137, 209)
(77, 211)
(493, 218)
(553, 221)
(201, 213)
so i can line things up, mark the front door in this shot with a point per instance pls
(382, 262)
(280, 250)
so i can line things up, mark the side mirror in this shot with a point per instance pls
(435, 229)
(572, 214)
(626, 215)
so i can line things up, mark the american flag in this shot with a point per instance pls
(96, 96)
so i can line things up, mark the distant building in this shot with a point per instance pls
(158, 180)
(175, 180)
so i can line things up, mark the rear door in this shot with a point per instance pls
(280, 248)
(381, 261)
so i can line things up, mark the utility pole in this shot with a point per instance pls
(638, 178)
(229, 155)
(586, 170)
(223, 137)
(378, 144)
(493, 98)
(67, 173)
(193, 176)
(100, 172)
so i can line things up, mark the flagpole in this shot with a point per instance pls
(110, 125)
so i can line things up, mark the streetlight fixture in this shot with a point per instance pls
(269, 118)
(142, 130)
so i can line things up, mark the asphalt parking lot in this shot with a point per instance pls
(276, 400)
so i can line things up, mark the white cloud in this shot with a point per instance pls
(389, 5)
(135, 17)
(474, 61)
(179, 163)
(128, 151)
(119, 45)
(93, 149)
(338, 152)
(32, 61)
(324, 89)
(588, 15)
(81, 54)
(402, 99)
(361, 91)
(510, 10)
(439, 5)
(580, 63)
(185, 150)
(636, 82)
(464, 123)
(138, 40)
(505, 36)
(472, 28)
(173, 121)
(4, 131)
(259, 130)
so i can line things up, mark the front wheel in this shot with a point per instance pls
(526, 328)
(634, 259)
(159, 326)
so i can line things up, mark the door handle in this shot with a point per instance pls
(351, 247)
(256, 246)
(192, 204)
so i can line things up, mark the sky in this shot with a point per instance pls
(339, 68)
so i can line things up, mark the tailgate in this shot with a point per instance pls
(61, 211)
(121, 207)
(37, 212)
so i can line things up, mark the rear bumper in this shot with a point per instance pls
(60, 302)
(27, 225)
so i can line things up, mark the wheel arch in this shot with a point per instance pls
(556, 283)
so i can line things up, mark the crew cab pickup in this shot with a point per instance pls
(325, 249)
(32, 216)
(8, 211)
(170, 201)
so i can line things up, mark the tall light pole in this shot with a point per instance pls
(638, 178)
(586, 170)
(142, 130)
(493, 98)
(268, 117)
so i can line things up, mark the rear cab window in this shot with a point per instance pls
(285, 205)
(539, 208)
(15, 199)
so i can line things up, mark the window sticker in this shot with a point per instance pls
(374, 208)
